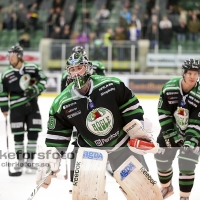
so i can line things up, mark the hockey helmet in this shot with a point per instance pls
(77, 59)
(191, 64)
(79, 49)
(18, 50)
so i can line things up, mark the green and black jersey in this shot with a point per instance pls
(98, 69)
(99, 117)
(13, 82)
(178, 110)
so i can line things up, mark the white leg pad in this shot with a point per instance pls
(89, 175)
(135, 181)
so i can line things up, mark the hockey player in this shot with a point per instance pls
(99, 107)
(98, 68)
(20, 85)
(178, 109)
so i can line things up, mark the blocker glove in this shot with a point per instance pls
(173, 138)
(32, 91)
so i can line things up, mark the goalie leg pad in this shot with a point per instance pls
(89, 175)
(136, 182)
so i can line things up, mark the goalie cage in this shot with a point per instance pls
(89, 175)
(135, 181)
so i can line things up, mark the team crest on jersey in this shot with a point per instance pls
(100, 121)
(51, 123)
(24, 81)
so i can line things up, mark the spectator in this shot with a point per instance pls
(137, 21)
(165, 22)
(120, 36)
(21, 16)
(57, 33)
(53, 20)
(83, 38)
(166, 36)
(66, 32)
(86, 20)
(58, 3)
(10, 18)
(102, 15)
(152, 36)
(73, 15)
(181, 30)
(126, 15)
(24, 41)
(193, 27)
(133, 33)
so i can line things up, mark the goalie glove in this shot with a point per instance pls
(51, 159)
(136, 130)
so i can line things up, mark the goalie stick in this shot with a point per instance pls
(9, 172)
(40, 184)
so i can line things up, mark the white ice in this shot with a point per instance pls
(20, 188)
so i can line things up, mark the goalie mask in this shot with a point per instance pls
(79, 69)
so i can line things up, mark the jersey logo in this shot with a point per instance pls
(100, 121)
(51, 123)
(24, 81)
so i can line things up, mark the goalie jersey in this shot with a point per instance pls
(13, 82)
(179, 108)
(99, 117)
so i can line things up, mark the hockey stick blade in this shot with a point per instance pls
(14, 173)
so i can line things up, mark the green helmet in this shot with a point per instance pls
(77, 59)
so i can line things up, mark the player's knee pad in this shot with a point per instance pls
(89, 174)
(135, 181)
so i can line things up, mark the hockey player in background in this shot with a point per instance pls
(179, 112)
(99, 107)
(20, 84)
(98, 68)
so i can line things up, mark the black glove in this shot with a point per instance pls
(31, 91)
(190, 144)
(172, 138)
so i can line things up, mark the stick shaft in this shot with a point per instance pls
(39, 185)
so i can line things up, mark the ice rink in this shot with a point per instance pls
(20, 188)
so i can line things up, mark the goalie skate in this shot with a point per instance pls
(135, 181)
(89, 175)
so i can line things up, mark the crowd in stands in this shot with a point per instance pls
(155, 24)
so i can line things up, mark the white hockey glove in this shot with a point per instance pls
(135, 129)
(50, 160)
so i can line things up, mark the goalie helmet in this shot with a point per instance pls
(79, 49)
(16, 49)
(75, 60)
(191, 64)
